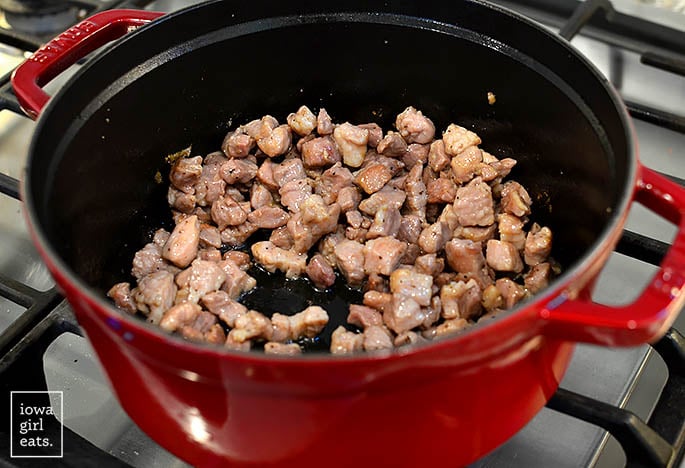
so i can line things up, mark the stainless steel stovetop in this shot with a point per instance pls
(629, 378)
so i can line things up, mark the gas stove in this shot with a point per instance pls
(637, 394)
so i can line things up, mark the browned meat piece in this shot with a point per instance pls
(215, 335)
(241, 259)
(442, 190)
(315, 220)
(515, 199)
(328, 243)
(457, 139)
(449, 327)
(430, 264)
(404, 314)
(437, 158)
(235, 346)
(210, 236)
(375, 133)
(386, 223)
(237, 144)
(473, 204)
(503, 167)
(320, 272)
(211, 185)
(383, 255)
(349, 257)
(320, 152)
(415, 154)
(392, 145)
(345, 342)
(397, 183)
(444, 278)
(392, 164)
(410, 229)
(412, 284)
(333, 181)
(478, 234)
(203, 323)
(412, 253)
(351, 141)
(466, 257)
(181, 201)
(378, 300)
(205, 277)
(185, 173)
(179, 315)
(354, 218)
(160, 237)
(260, 128)
(237, 281)
(210, 254)
(265, 175)
(302, 122)
(148, 260)
(281, 238)
(492, 299)
(324, 124)
(349, 198)
(288, 171)
(277, 142)
(414, 126)
(260, 196)
(372, 178)
(308, 323)
(466, 165)
(408, 338)
(503, 256)
(238, 171)
(538, 277)
(376, 282)
(376, 338)
(511, 230)
(281, 327)
(120, 293)
(273, 258)
(155, 294)
(268, 217)
(220, 304)
(460, 300)
(538, 245)
(417, 196)
(511, 292)
(449, 217)
(294, 193)
(251, 325)
(181, 247)
(386, 197)
(434, 237)
(364, 317)
(289, 349)
(228, 212)
(235, 236)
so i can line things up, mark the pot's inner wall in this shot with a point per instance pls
(102, 200)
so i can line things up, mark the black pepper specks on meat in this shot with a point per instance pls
(426, 224)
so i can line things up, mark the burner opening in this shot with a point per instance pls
(39, 16)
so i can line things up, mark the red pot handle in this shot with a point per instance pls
(648, 317)
(66, 49)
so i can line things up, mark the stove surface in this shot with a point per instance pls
(629, 378)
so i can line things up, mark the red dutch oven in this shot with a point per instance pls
(91, 200)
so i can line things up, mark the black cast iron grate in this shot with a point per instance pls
(660, 441)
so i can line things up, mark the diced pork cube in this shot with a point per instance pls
(383, 255)
(474, 205)
(376, 338)
(179, 315)
(302, 122)
(457, 139)
(273, 258)
(352, 141)
(414, 126)
(412, 284)
(503, 256)
(181, 247)
(155, 294)
(320, 272)
(364, 317)
(515, 199)
(120, 293)
(404, 314)
(538, 245)
(349, 256)
(346, 342)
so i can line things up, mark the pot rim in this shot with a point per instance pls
(555, 290)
